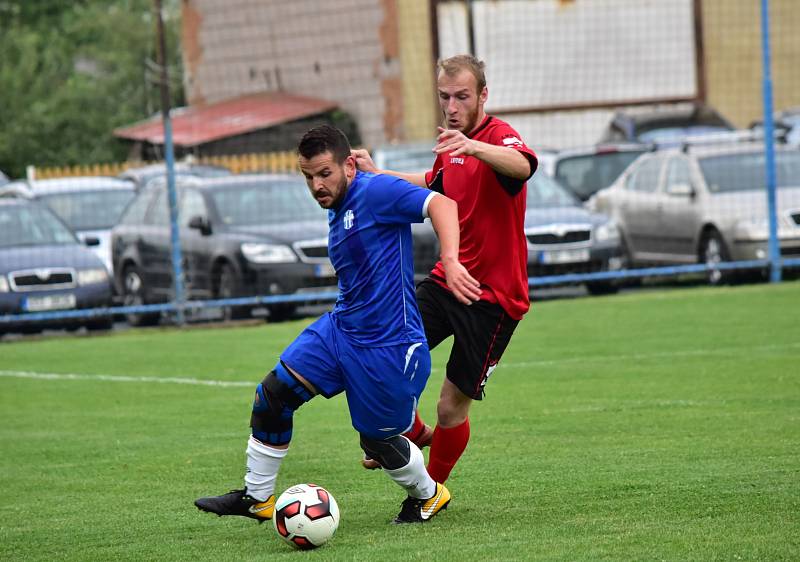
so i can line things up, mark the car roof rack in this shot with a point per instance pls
(742, 135)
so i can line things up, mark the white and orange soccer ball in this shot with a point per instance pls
(306, 516)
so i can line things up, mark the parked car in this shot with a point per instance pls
(704, 204)
(586, 170)
(565, 238)
(142, 175)
(666, 125)
(787, 125)
(90, 206)
(43, 267)
(241, 236)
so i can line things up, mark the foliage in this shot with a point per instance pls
(71, 72)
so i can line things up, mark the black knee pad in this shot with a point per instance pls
(391, 453)
(277, 397)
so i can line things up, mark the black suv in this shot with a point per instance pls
(240, 236)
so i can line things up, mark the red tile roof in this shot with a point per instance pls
(195, 125)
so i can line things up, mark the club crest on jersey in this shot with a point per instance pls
(349, 219)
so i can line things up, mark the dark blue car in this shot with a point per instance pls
(44, 268)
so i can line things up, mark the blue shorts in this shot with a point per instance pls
(382, 384)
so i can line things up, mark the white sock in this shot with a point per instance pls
(413, 476)
(263, 463)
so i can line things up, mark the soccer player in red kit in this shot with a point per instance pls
(481, 163)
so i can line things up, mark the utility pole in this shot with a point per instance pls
(169, 156)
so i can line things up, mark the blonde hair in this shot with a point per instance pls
(453, 65)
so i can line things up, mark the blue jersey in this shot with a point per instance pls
(370, 247)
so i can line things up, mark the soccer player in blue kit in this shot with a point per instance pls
(371, 346)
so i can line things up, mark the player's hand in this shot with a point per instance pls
(454, 142)
(364, 160)
(465, 288)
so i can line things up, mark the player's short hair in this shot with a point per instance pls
(456, 64)
(324, 138)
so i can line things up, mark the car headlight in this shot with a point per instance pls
(91, 276)
(3, 284)
(268, 253)
(607, 231)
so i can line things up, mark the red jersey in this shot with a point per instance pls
(491, 216)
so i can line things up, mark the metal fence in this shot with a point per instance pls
(667, 149)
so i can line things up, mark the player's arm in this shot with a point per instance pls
(443, 212)
(504, 160)
(365, 164)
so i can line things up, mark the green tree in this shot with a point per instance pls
(71, 72)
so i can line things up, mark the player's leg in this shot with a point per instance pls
(403, 462)
(306, 367)
(383, 385)
(482, 332)
(276, 399)
(430, 297)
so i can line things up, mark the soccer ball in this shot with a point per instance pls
(306, 516)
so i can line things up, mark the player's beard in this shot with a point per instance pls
(470, 122)
(335, 198)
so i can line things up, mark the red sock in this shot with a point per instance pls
(447, 447)
(416, 429)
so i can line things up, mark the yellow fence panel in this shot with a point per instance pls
(271, 162)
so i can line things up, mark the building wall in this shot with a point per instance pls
(733, 56)
(420, 109)
(345, 51)
(374, 58)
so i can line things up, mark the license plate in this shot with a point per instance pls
(324, 270)
(49, 302)
(564, 256)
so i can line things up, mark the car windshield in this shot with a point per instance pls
(587, 174)
(663, 134)
(543, 191)
(747, 171)
(30, 225)
(265, 202)
(89, 210)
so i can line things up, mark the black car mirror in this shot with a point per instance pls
(200, 223)
(91, 241)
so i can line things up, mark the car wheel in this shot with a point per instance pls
(228, 287)
(602, 288)
(104, 323)
(713, 252)
(280, 312)
(133, 294)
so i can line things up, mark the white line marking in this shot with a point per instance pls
(121, 378)
(657, 355)
(543, 362)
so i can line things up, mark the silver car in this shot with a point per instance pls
(564, 238)
(703, 204)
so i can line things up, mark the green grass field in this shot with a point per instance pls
(646, 426)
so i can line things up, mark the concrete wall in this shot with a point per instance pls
(555, 53)
(345, 51)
